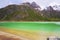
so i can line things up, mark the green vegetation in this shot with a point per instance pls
(20, 13)
(25, 13)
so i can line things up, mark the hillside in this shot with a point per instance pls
(51, 13)
(20, 13)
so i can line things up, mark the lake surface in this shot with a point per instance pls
(35, 26)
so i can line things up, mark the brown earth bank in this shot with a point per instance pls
(3, 37)
(22, 35)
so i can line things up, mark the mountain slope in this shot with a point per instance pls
(20, 13)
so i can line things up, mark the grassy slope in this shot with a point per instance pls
(33, 15)
(26, 14)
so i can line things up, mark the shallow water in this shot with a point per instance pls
(36, 26)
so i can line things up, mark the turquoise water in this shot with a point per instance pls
(31, 26)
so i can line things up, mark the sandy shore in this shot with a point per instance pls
(8, 36)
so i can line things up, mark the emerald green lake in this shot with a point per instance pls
(31, 26)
